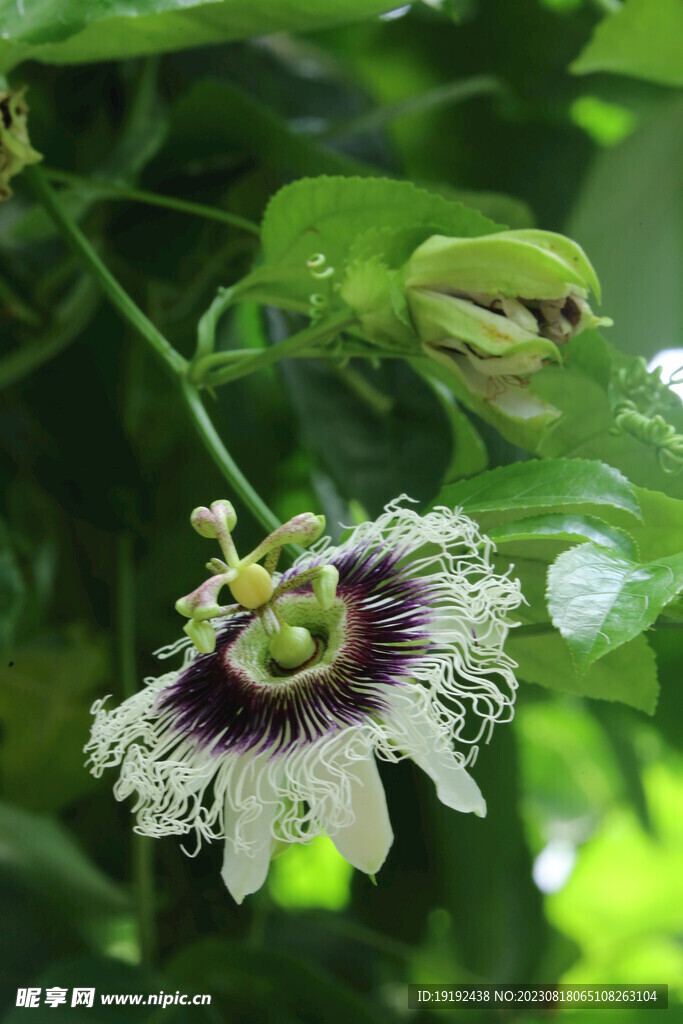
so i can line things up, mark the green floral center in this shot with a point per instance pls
(250, 653)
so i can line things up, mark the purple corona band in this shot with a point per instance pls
(221, 705)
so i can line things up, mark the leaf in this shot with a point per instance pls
(628, 674)
(249, 982)
(599, 600)
(12, 590)
(45, 698)
(372, 452)
(39, 853)
(80, 31)
(562, 526)
(215, 117)
(644, 38)
(660, 533)
(542, 484)
(139, 139)
(326, 215)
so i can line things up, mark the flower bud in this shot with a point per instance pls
(514, 294)
(16, 151)
(495, 309)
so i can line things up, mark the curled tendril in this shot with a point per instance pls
(318, 306)
(638, 398)
(317, 266)
(651, 430)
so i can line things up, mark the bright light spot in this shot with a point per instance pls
(554, 865)
(671, 362)
(311, 875)
(606, 123)
(398, 12)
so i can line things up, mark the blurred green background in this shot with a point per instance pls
(576, 873)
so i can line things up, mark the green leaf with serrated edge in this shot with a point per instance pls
(643, 38)
(660, 533)
(326, 215)
(599, 600)
(542, 484)
(80, 31)
(628, 674)
(563, 526)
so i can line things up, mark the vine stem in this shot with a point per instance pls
(175, 364)
(111, 190)
(290, 346)
(223, 459)
(142, 847)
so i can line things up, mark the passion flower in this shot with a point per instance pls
(387, 646)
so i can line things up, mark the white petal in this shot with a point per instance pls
(422, 740)
(366, 842)
(245, 869)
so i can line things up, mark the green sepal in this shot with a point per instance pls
(519, 264)
(571, 254)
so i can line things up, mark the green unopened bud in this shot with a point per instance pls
(16, 151)
(202, 635)
(292, 646)
(325, 586)
(495, 292)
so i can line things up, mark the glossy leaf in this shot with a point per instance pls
(599, 600)
(644, 38)
(563, 526)
(80, 31)
(547, 484)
